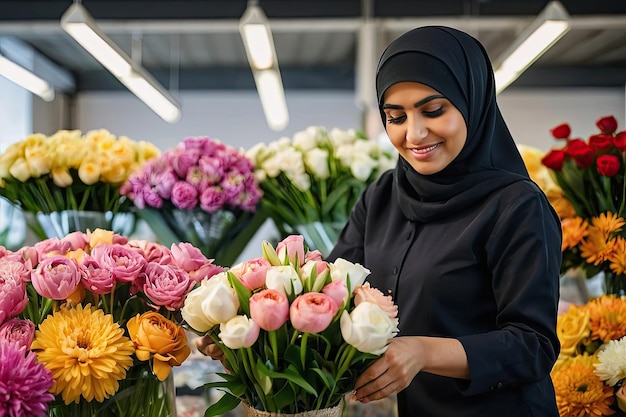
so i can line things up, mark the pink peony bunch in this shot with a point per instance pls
(199, 172)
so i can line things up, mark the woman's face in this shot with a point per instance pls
(425, 128)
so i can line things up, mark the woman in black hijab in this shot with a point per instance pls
(465, 242)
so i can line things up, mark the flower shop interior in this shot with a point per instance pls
(325, 54)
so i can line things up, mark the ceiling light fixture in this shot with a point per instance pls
(549, 26)
(257, 40)
(26, 79)
(79, 24)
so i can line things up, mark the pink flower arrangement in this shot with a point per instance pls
(108, 280)
(206, 194)
(296, 331)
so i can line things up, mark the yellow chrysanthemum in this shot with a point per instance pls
(596, 248)
(607, 317)
(608, 223)
(618, 258)
(579, 391)
(85, 350)
(574, 230)
(564, 209)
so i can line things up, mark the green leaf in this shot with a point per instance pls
(222, 406)
(284, 397)
(326, 377)
(291, 374)
(242, 292)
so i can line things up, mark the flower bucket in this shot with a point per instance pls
(335, 411)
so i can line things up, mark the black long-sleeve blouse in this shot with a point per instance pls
(488, 276)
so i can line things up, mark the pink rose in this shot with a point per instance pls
(190, 259)
(166, 286)
(365, 293)
(152, 252)
(184, 195)
(291, 246)
(312, 312)
(269, 309)
(77, 240)
(51, 247)
(338, 291)
(125, 263)
(13, 298)
(56, 278)
(252, 273)
(95, 279)
(19, 331)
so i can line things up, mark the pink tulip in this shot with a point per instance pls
(13, 298)
(166, 285)
(337, 290)
(18, 331)
(291, 246)
(252, 273)
(56, 277)
(312, 312)
(269, 309)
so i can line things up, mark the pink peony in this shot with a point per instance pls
(189, 258)
(184, 195)
(269, 309)
(24, 383)
(56, 277)
(252, 273)
(125, 263)
(13, 298)
(166, 286)
(95, 279)
(291, 246)
(17, 331)
(77, 240)
(152, 252)
(312, 312)
(51, 247)
(212, 199)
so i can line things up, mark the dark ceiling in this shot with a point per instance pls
(195, 44)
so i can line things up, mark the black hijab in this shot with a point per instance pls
(457, 66)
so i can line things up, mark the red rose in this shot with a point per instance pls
(554, 159)
(620, 140)
(601, 143)
(607, 124)
(608, 165)
(580, 151)
(561, 131)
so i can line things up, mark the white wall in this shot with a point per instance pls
(15, 113)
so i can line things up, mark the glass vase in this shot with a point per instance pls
(614, 283)
(336, 411)
(60, 223)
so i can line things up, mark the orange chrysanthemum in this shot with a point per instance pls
(579, 391)
(574, 230)
(596, 248)
(85, 350)
(607, 317)
(618, 257)
(564, 209)
(608, 223)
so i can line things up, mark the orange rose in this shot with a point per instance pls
(158, 338)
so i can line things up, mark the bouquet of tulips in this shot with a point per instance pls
(296, 330)
(101, 315)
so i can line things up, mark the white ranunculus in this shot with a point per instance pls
(345, 153)
(258, 151)
(302, 182)
(368, 328)
(306, 139)
(317, 162)
(291, 161)
(239, 332)
(214, 301)
(279, 145)
(341, 270)
(272, 166)
(362, 167)
(283, 278)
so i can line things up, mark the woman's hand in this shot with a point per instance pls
(207, 347)
(404, 358)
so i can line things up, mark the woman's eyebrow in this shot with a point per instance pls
(419, 103)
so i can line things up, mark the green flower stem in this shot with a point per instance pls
(247, 357)
(344, 364)
(303, 346)
(274, 346)
(294, 337)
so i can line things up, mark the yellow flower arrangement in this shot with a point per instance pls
(590, 371)
(70, 170)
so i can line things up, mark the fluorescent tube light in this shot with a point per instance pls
(551, 24)
(259, 45)
(79, 24)
(26, 79)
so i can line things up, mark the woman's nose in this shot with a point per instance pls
(416, 129)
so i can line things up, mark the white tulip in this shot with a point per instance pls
(211, 303)
(239, 332)
(283, 278)
(317, 162)
(341, 270)
(362, 167)
(368, 328)
(306, 139)
(341, 137)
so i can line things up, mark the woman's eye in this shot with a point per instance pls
(434, 113)
(396, 120)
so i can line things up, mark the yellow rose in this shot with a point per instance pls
(61, 177)
(158, 338)
(114, 173)
(572, 328)
(123, 151)
(9, 157)
(145, 151)
(20, 170)
(100, 236)
(68, 152)
(89, 171)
